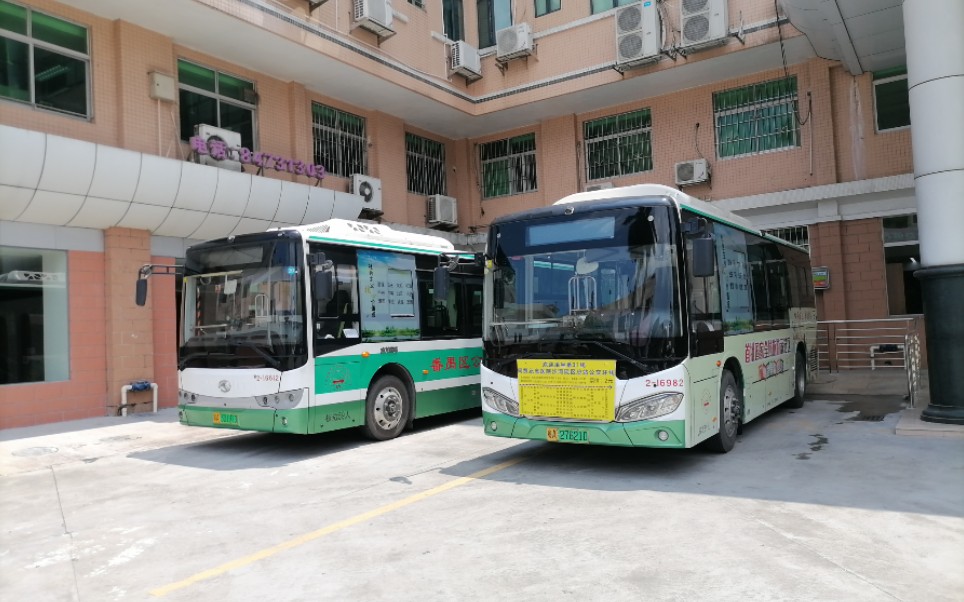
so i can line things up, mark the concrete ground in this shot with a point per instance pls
(823, 503)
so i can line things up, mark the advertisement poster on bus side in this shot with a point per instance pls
(734, 281)
(389, 311)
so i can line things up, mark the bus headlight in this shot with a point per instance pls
(650, 407)
(500, 402)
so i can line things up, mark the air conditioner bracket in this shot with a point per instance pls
(313, 5)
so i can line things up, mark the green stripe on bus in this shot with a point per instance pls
(630, 434)
(431, 403)
(354, 372)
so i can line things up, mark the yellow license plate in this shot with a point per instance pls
(563, 435)
(222, 418)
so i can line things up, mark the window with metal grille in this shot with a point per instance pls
(618, 145)
(210, 97)
(418, 3)
(891, 99)
(757, 118)
(798, 235)
(424, 165)
(508, 166)
(340, 143)
(45, 60)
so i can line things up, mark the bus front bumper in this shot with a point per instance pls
(668, 434)
(266, 420)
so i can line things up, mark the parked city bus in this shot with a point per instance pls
(323, 327)
(640, 316)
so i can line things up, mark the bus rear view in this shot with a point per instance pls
(606, 323)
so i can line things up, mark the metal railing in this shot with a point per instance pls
(876, 344)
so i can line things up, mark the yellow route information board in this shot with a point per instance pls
(575, 389)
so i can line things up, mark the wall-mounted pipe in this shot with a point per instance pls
(137, 386)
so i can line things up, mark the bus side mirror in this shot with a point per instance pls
(441, 284)
(703, 254)
(323, 286)
(140, 293)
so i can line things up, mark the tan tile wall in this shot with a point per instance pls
(128, 327)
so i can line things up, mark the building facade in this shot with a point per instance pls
(130, 130)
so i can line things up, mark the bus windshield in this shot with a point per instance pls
(244, 307)
(609, 282)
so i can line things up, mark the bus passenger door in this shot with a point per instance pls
(339, 392)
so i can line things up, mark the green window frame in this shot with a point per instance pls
(424, 165)
(891, 99)
(756, 119)
(211, 97)
(601, 6)
(618, 145)
(339, 140)
(44, 60)
(452, 19)
(544, 7)
(492, 15)
(508, 166)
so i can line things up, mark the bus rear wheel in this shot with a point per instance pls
(731, 412)
(386, 409)
(799, 382)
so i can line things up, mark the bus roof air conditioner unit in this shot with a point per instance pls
(696, 171)
(374, 15)
(638, 38)
(370, 190)
(442, 211)
(703, 23)
(231, 141)
(513, 41)
(464, 60)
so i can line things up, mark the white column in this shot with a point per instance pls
(935, 77)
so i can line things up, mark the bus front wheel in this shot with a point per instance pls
(731, 411)
(386, 409)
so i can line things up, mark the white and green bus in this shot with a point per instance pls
(640, 316)
(327, 326)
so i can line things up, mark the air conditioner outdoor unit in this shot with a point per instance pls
(442, 211)
(464, 60)
(514, 41)
(214, 137)
(370, 190)
(702, 23)
(598, 186)
(638, 37)
(692, 172)
(375, 16)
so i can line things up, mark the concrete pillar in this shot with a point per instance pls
(935, 79)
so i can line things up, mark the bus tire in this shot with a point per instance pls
(731, 411)
(799, 382)
(386, 409)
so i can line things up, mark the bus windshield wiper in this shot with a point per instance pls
(619, 354)
(273, 361)
(183, 360)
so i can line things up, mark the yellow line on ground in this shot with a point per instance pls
(348, 522)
